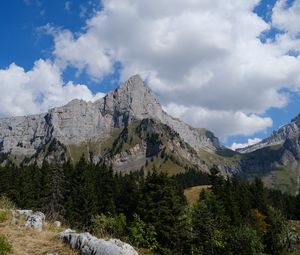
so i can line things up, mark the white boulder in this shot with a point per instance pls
(34, 220)
(90, 245)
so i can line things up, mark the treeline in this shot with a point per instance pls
(233, 217)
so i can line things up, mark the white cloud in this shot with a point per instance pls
(84, 53)
(37, 90)
(287, 17)
(235, 146)
(222, 123)
(205, 56)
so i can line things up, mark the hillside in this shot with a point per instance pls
(275, 158)
(127, 128)
(28, 241)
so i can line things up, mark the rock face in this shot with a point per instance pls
(88, 244)
(34, 220)
(279, 137)
(280, 151)
(81, 121)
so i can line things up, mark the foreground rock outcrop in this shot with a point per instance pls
(34, 220)
(90, 245)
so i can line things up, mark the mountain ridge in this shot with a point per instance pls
(278, 137)
(80, 122)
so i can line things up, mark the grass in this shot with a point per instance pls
(101, 146)
(221, 157)
(192, 194)
(4, 216)
(284, 179)
(5, 246)
(27, 241)
(169, 167)
(142, 251)
(77, 150)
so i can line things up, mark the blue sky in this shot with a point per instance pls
(88, 47)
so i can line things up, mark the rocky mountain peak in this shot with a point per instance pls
(132, 100)
(288, 131)
(78, 122)
(296, 120)
(133, 82)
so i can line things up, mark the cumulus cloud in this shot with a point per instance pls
(85, 53)
(37, 90)
(235, 146)
(286, 17)
(222, 123)
(205, 56)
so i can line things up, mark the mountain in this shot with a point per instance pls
(127, 128)
(287, 132)
(276, 158)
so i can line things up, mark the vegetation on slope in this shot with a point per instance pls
(19, 240)
(151, 212)
(192, 194)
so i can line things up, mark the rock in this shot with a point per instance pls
(34, 220)
(88, 244)
(279, 137)
(26, 213)
(57, 224)
(80, 121)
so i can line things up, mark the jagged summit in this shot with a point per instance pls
(79, 121)
(133, 99)
(288, 131)
(133, 82)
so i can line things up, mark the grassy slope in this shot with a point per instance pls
(285, 178)
(192, 194)
(101, 146)
(169, 167)
(27, 241)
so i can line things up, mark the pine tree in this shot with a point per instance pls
(161, 204)
(54, 191)
(210, 226)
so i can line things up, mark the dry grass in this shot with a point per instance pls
(192, 194)
(142, 251)
(26, 241)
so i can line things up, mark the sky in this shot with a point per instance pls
(231, 66)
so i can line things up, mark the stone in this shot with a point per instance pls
(57, 224)
(88, 244)
(34, 220)
(25, 213)
(285, 133)
(80, 121)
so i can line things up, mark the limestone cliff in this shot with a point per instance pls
(80, 122)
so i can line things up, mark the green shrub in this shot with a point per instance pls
(107, 226)
(4, 216)
(5, 247)
(6, 203)
(141, 234)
